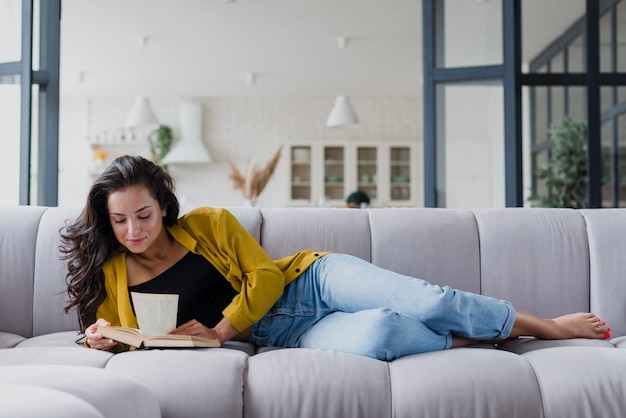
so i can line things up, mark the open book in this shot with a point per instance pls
(156, 316)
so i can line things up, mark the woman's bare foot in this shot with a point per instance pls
(582, 325)
(577, 325)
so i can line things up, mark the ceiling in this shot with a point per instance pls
(263, 48)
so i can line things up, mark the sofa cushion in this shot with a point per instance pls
(60, 339)
(527, 344)
(438, 246)
(307, 383)
(536, 258)
(110, 393)
(76, 356)
(8, 340)
(50, 294)
(188, 382)
(619, 342)
(607, 247)
(288, 230)
(18, 233)
(464, 382)
(580, 381)
(31, 401)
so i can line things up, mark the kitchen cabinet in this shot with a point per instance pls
(323, 174)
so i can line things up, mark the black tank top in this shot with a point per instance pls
(203, 292)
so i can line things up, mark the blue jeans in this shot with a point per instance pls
(346, 304)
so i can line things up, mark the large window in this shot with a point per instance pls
(10, 103)
(29, 101)
(465, 140)
(562, 69)
(565, 92)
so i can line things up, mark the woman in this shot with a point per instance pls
(129, 237)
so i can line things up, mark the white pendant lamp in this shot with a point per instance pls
(141, 114)
(190, 149)
(342, 113)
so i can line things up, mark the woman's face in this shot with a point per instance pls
(136, 217)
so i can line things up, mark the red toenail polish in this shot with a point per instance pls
(608, 329)
(607, 335)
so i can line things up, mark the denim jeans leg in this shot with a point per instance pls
(377, 333)
(344, 303)
(294, 313)
(349, 284)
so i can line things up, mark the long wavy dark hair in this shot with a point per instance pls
(88, 242)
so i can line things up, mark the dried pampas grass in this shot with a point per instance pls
(253, 179)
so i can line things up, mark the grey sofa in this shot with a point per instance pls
(548, 262)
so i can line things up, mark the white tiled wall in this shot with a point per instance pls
(235, 129)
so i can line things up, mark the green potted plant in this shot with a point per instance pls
(565, 174)
(160, 144)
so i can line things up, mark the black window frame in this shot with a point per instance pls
(47, 79)
(510, 72)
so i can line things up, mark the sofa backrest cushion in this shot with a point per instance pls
(536, 258)
(546, 261)
(288, 230)
(607, 249)
(440, 246)
(18, 236)
(50, 293)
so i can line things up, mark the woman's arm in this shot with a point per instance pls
(223, 331)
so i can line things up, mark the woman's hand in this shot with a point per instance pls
(96, 340)
(197, 329)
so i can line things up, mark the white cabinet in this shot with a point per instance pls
(323, 174)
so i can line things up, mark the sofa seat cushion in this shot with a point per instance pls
(619, 342)
(309, 383)
(110, 393)
(246, 347)
(19, 400)
(78, 356)
(464, 382)
(194, 382)
(8, 340)
(580, 381)
(527, 344)
(60, 339)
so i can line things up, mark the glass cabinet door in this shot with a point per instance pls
(334, 172)
(367, 170)
(301, 173)
(400, 181)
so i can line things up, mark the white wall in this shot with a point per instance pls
(235, 129)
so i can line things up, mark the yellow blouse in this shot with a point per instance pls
(218, 236)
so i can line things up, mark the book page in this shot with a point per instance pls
(156, 313)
